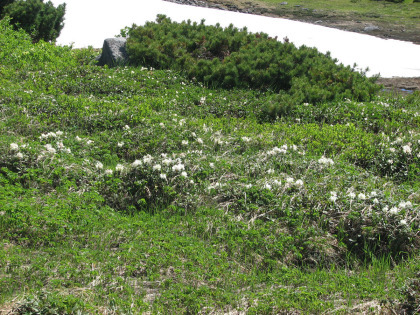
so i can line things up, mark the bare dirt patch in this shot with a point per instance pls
(407, 85)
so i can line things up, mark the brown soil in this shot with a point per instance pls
(407, 85)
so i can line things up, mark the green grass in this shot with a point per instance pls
(235, 232)
(386, 9)
(395, 20)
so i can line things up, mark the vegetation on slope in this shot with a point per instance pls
(232, 58)
(40, 20)
(128, 190)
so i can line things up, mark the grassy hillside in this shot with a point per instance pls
(133, 190)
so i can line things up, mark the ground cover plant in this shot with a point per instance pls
(134, 190)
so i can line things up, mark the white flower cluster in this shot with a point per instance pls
(87, 141)
(215, 185)
(276, 150)
(407, 149)
(15, 147)
(404, 204)
(274, 183)
(119, 167)
(178, 167)
(333, 196)
(147, 159)
(361, 196)
(267, 186)
(393, 210)
(325, 161)
(60, 146)
(157, 167)
(218, 141)
(291, 181)
(167, 161)
(51, 135)
(136, 163)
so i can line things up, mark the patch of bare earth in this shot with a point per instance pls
(397, 83)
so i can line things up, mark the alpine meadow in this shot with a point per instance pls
(219, 171)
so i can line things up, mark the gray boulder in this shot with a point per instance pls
(113, 52)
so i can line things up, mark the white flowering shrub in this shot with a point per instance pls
(379, 231)
(399, 157)
(144, 185)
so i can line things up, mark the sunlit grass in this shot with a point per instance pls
(131, 190)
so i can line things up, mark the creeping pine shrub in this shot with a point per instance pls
(233, 58)
(41, 20)
(3, 4)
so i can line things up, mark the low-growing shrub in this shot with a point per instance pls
(49, 304)
(144, 185)
(229, 57)
(40, 20)
(3, 4)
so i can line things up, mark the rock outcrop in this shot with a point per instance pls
(113, 52)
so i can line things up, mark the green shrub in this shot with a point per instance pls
(231, 58)
(40, 20)
(3, 4)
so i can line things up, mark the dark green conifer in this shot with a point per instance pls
(40, 20)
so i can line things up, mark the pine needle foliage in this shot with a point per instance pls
(234, 58)
(41, 20)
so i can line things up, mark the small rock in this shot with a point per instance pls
(371, 28)
(284, 3)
